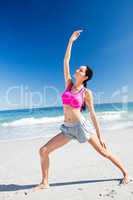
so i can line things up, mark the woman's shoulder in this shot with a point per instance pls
(88, 93)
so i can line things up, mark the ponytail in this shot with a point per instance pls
(83, 108)
(89, 73)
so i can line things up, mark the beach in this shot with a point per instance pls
(58, 59)
(76, 171)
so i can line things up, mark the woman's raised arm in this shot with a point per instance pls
(67, 74)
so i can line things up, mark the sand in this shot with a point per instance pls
(76, 171)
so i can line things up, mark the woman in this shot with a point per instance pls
(74, 99)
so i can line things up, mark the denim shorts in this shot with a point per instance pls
(81, 130)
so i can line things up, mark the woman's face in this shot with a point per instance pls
(80, 73)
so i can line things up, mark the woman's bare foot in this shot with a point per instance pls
(41, 186)
(126, 180)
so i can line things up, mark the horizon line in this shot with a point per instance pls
(60, 106)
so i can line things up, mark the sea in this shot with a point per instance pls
(23, 124)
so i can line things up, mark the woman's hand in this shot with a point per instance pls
(102, 142)
(75, 35)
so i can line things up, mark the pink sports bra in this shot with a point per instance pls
(75, 100)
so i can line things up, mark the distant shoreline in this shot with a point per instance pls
(48, 107)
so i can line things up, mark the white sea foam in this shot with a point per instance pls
(102, 116)
(110, 116)
(48, 126)
(33, 121)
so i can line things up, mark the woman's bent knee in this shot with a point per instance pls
(43, 151)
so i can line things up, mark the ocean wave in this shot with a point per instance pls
(32, 121)
(112, 115)
(102, 116)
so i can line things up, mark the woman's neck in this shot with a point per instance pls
(77, 85)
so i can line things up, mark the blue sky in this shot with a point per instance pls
(33, 40)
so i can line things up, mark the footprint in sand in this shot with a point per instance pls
(110, 194)
(80, 188)
(100, 195)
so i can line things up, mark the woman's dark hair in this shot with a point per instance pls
(89, 73)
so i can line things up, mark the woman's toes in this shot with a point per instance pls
(41, 187)
(126, 180)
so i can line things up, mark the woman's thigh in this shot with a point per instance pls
(57, 141)
(94, 141)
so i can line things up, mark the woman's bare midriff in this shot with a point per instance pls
(71, 114)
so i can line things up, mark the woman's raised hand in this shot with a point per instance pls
(75, 35)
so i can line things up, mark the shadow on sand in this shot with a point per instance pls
(14, 187)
